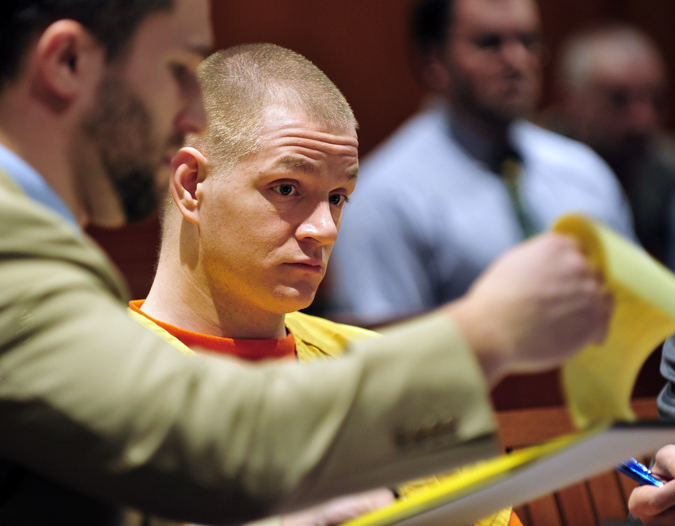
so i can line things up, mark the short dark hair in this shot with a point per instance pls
(429, 24)
(112, 22)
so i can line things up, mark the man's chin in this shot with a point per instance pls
(138, 196)
(295, 298)
(513, 103)
(104, 222)
(516, 108)
(107, 215)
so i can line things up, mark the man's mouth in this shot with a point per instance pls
(314, 266)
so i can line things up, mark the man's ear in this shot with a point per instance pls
(189, 170)
(435, 74)
(68, 61)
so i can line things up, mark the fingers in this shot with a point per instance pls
(556, 257)
(664, 462)
(341, 509)
(587, 287)
(573, 257)
(651, 504)
(376, 499)
(604, 314)
(535, 307)
(345, 508)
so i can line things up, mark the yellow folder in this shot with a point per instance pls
(599, 380)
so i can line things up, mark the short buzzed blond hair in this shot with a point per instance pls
(239, 83)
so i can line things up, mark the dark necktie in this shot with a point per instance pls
(512, 171)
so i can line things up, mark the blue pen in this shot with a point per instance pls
(639, 472)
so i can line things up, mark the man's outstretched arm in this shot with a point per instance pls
(94, 401)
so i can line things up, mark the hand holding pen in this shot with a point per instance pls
(639, 473)
(651, 503)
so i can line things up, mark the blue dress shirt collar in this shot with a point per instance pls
(477, 145)
(32, 183)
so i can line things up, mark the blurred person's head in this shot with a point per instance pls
(258, 197)
(613, 82)
(108, 88)
(484, 56)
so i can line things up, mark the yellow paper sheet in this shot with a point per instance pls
(599, 380)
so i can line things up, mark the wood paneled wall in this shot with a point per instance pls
(362, 44)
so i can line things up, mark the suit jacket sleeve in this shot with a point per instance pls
(91, 399)
(666, 399)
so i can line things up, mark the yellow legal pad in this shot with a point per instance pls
(597, 382)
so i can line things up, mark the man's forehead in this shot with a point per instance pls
(284, 126)
(296, 162)
(495, 15)
(291, 139)
(186, 26)
(194, 20)
(621, 62)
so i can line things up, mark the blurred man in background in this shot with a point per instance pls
(466, 178)
(612, 88)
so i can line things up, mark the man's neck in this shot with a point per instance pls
(186, 304)
(492, 130)
(484, 143)
(47, 152)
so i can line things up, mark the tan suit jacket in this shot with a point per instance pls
(92, 404)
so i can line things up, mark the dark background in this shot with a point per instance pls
(362, 46)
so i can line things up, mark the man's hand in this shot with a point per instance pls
(653, 505)
(534, 307)
(340, 510)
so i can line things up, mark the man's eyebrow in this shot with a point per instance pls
(294, 162)
(354, 173)
(202, 50)
(297, 162)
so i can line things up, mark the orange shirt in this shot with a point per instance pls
(251, 350)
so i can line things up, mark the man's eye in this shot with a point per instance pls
(185, 76)
(489, 42)
(337, 199)
(285, 189)
(179, 71)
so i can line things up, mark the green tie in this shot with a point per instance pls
(511, 172)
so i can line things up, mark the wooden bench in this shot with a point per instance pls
(592, 502)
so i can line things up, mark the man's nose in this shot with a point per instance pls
(319, 225)
(516, 54)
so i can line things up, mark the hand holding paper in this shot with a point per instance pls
(598, 381)
(534, 307)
